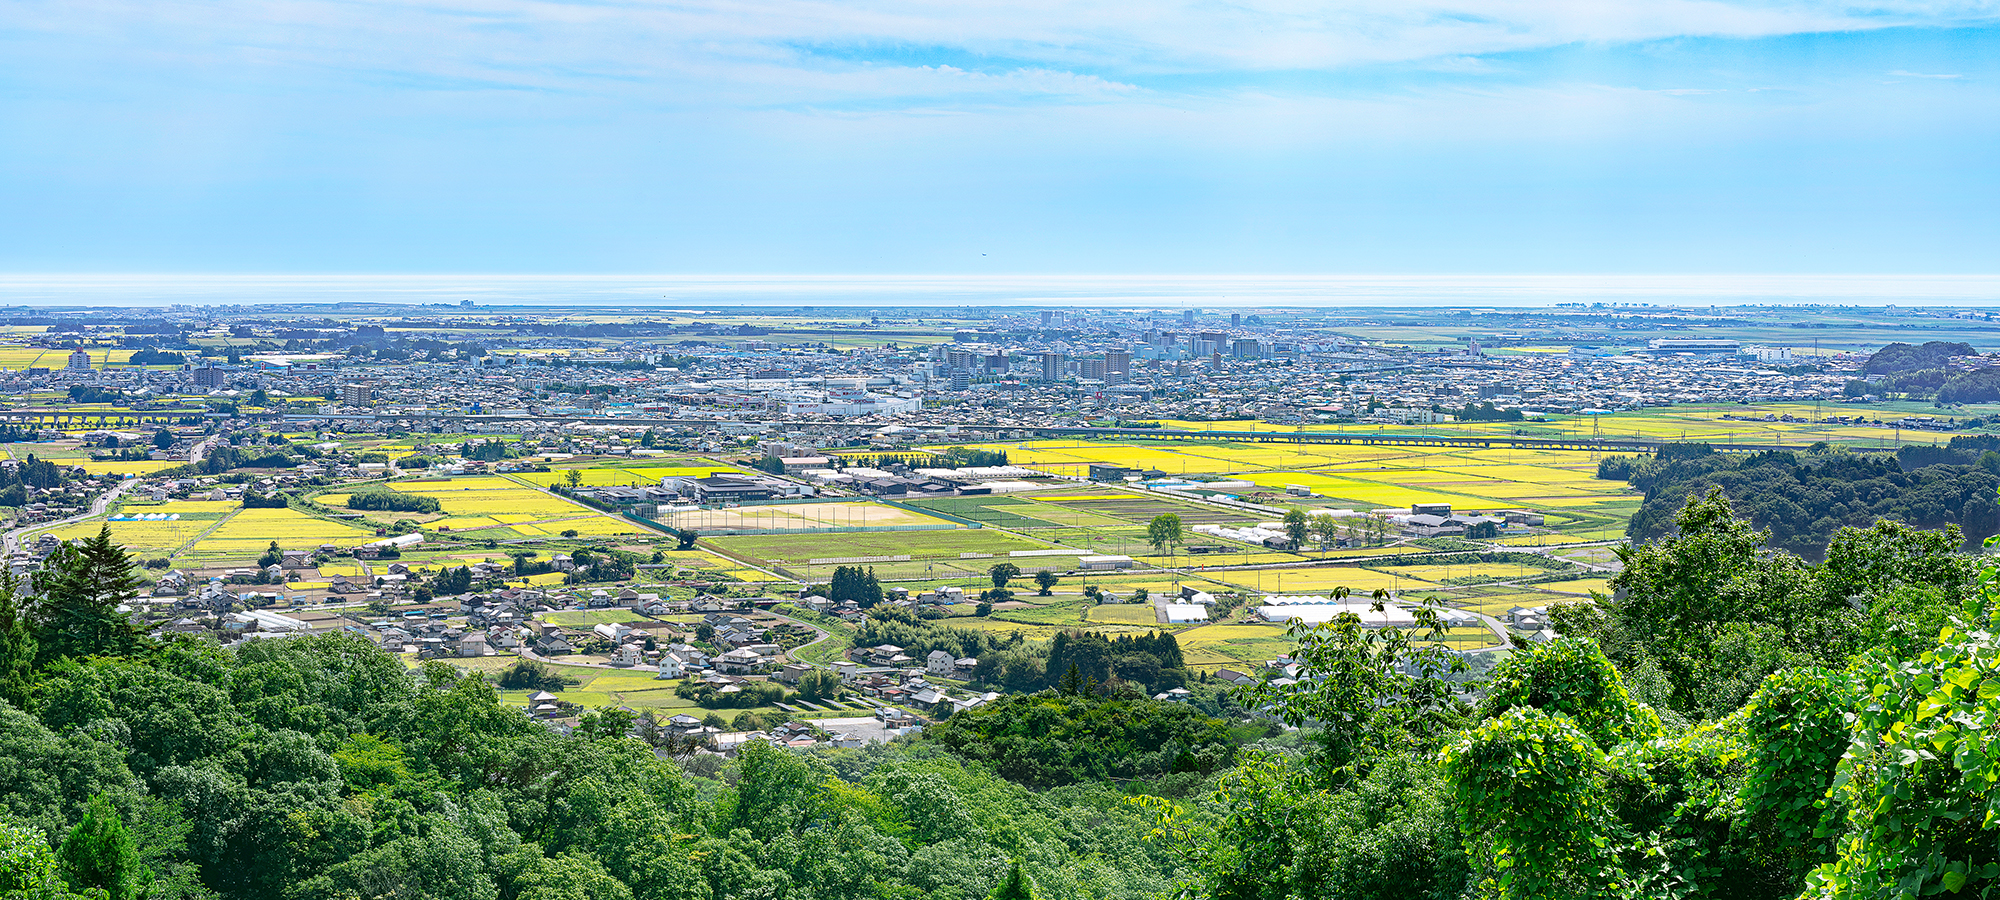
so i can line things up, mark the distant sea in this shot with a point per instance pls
(694, 293)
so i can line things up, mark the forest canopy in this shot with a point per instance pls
(1804, 498)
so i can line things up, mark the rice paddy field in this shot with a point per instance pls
(1562, 485)
(142, 539)
(801, 517)
(1689, 422)
(247, 533)
(128, 467)
(14, 356)
(492, 507)
(622, 476)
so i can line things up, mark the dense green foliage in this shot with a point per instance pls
(1804, 499)
(1901, 357)
(32, 472)
(392, 501)
(319, 768)
(1043, 740)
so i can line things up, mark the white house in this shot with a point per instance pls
(940, 663)
(672, 666)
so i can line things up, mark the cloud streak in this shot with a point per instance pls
(818, 51)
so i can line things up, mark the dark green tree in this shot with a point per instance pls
(1001, 573)
(1297, 528)
(79, 590)
(100, 854)
(1045, 582)
(1015, 887)
(17, 646)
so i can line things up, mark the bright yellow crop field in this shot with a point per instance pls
(792, 516)
(128, 466)
(1439, 573)
(251, 530)
(479, 497)
(211, 509)
(588, 525)
(1124, 613)
(1319, 580)
(542, 580)
(14, 357)
(1578, 586)
(1370, 476)
(626, 476)
(143, 538)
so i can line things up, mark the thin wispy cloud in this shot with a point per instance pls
(637, 47)
(970, 135)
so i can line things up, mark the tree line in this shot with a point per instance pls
(1805, 498)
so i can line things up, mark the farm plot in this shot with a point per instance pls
(801, 517)
(1124, 613)
(1320, 580)
(1213, 647)
(1000, 511)
(127, 466)
(621, 476)
(498, 507)
(186, 509)
(1443, 573)
(1137, 508)
(796, 550)
(142, 538)
(248, 532)
(1578, 586)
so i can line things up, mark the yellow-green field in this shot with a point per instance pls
(801, 516)
(128, 466)
(207, 509)
(1578, 586)
(500, 507)
(17, 357)
(250, 531)
(627, 476)
(146, 539)
(1354, 475)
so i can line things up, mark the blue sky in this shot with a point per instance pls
(973, 138)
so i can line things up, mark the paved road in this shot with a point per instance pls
(12, 539)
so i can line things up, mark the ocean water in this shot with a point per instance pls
(693, 293)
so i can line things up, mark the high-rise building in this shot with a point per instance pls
(1247, 348)
(1118, 362)
(357, 393)
(960, 379)
(79, 360)
(1054, 366)
(1090, 369)
(208, 377)
(1187, 317)
(1235, 320)
(996, 363)
(958, 359)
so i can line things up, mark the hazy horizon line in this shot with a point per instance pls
(1000, 289)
